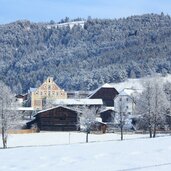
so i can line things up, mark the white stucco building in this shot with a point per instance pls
(125, 101)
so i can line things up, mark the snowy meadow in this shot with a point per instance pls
(68, 151)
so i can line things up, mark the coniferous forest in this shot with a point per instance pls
(82, 58)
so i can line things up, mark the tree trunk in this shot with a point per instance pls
(87, 136)
(154, 131)
(121, 132)
(4, 138)
(150, 131)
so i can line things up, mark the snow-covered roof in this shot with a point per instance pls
(106, 85)
(78, 102)
(99, 120)
(54, 108)
(25, 108)
(107, 108)
(31, 90)
(129, 92)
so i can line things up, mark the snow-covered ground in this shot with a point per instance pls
(58, 138)
(51, 151)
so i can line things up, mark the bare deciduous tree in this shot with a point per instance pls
(167, 89)
(121, 115)
(152, 106)
(87, 118)
(8, 114)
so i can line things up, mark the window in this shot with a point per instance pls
(48, 93)
(49, 87)
(54, 87)
(127, 99)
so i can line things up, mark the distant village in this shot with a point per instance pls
(50, 108)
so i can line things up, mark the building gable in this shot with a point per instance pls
(107, 93)
(48, 90)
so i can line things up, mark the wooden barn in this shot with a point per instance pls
(107, 93)
(55, 119)
(107, 115)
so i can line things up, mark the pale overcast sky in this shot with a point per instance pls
(46, 10)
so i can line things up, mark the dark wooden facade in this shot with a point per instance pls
(107, 115)
(57, 119)
(106, 94)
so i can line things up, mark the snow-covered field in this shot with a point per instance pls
(63, 151)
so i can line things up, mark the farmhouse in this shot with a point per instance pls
(58, 118)
(20, 98)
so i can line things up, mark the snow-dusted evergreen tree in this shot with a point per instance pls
(87, 118)
(9, 117)
(152, 106)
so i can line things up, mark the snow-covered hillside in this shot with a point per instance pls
(105, 152)
(137, 83)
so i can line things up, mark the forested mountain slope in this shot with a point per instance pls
(104, 50)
